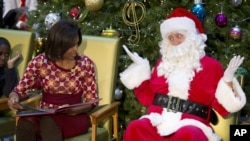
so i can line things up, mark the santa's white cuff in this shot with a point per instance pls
(135, 74)
(226, 96)
(18, 24)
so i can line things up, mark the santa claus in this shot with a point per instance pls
(183, 87)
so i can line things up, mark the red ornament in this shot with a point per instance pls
(74, 13)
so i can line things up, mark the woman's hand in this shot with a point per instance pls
(13, 102)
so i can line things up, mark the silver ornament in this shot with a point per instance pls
(118, 94)
(236, 3)
(51, 19)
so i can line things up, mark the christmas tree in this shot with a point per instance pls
(226, 24)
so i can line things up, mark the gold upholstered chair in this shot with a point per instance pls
(104, 51)
(21, 41)
(222, 128)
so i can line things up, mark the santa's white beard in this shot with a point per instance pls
(179, 64)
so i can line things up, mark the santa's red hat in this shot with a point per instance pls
(181, 20)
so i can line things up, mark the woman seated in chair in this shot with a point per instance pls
(64, 78)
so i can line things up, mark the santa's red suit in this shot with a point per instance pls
(205, 88)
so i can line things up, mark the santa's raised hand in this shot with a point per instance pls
(133, 56)
(232, 67)
(137, 72)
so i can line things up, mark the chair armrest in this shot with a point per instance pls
(32, 100)
(105, 112)
(102, 114)
(4, 103)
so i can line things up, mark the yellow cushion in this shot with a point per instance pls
(7, 125)
(103, 135)
(104, 53)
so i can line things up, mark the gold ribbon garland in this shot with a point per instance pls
(129, 12)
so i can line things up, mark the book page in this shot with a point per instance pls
(30, 111)
(78, 105)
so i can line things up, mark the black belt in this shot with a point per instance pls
(176, 104)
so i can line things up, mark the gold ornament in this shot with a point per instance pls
(110, 33)
(130, 18)
(39, 46)
(94, 5)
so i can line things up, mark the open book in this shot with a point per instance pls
(31, 111)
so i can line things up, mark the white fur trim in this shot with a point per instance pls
(18, 24)
(226, 96)
(155, 118)
(173, 24)
(175, 83)
(169, 122)
(135, 74)
(204, 37)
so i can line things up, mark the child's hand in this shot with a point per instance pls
(13, 60)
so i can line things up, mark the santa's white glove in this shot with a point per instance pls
(232, 67)
(137, 72)
(134, 56)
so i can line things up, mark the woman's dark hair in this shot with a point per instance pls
(4, 41)
(61, 37)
